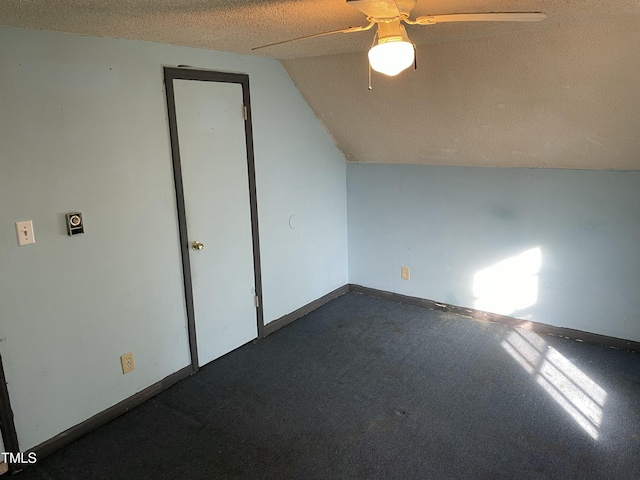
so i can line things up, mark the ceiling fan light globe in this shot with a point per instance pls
(391, 58)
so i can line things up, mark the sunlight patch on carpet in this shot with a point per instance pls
(579, 396)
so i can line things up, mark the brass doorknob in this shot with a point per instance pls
(197, 245)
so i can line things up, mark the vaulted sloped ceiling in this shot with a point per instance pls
(562, 93)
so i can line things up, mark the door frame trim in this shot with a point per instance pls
(7, 424)
(171, 74)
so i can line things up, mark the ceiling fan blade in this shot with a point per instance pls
(480, 17)
(376, 8)
(331, 32)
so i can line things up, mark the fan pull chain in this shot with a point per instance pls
(375, 38)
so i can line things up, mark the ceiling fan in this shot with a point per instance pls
(392, 51)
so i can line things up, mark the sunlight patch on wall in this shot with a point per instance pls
(575, 392)
(509, 285)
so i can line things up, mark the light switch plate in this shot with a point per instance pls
(25, 233)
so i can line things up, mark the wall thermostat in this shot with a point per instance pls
(74, 223)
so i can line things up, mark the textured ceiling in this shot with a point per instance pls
(562, 98)
(238, 25)
(558, 93)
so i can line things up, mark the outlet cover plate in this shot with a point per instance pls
(127, 362)
(405, 273)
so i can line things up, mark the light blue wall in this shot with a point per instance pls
(302, 198)
(449, 223)
(83, 126)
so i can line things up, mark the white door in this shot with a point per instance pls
(213, 156)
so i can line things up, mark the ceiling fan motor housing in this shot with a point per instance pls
(383, 9)
(392, 32)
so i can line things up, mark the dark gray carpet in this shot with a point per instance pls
(370, 388)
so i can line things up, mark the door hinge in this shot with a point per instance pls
(244, 112)
(256, 300)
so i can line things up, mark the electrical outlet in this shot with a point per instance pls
(405, 273)
(127, 362)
